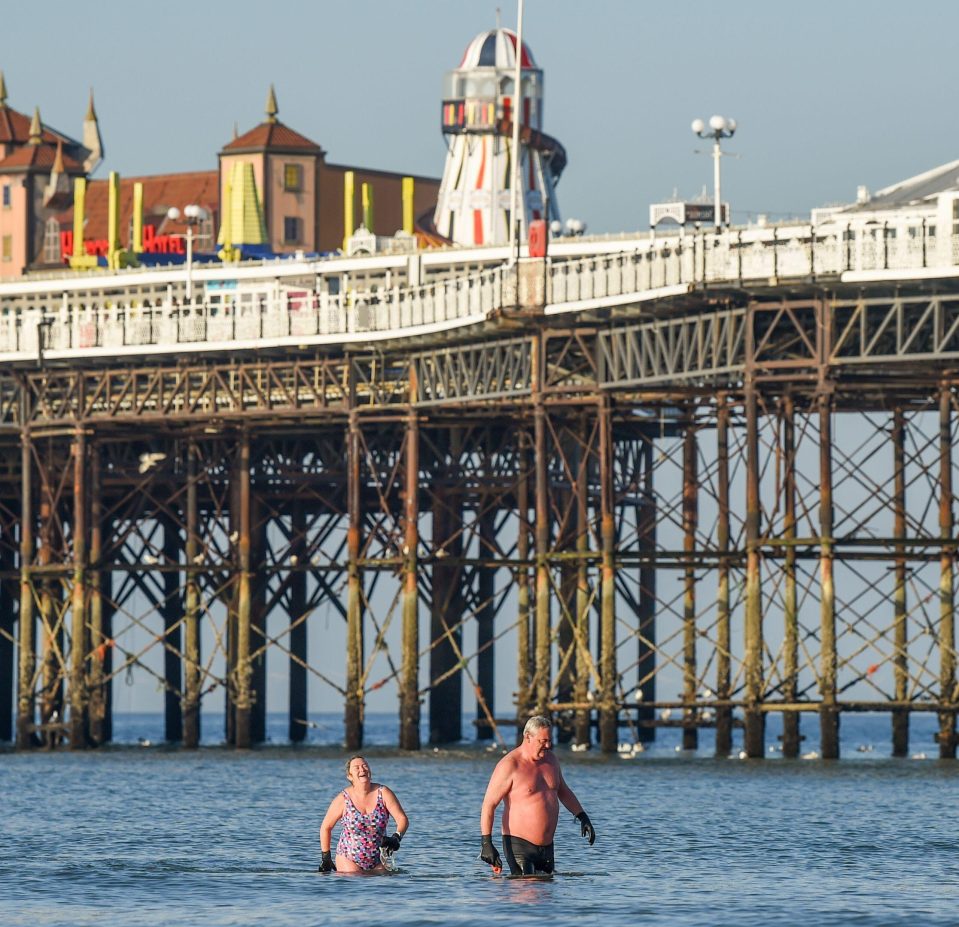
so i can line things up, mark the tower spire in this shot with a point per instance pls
(271, 108)
(35, 128)
(3, 91)
(92, 140)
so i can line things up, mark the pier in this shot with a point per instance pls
(685, 480)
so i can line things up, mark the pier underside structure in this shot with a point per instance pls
(738, 500)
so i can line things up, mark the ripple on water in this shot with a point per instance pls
(158, 838)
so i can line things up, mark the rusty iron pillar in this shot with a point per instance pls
(27, 633)
(353, 713)
(690, 523)
(791, 730)
(191, 607)
(947, 617)
(608, 713)
(79, 636)
(724, 713)
(524, 673)
(243, 668)
(409, 681)
(828, 712)
(900, 716)
(754, 734)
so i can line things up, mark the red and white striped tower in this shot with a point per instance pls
(478, 107)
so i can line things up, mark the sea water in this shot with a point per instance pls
(158, 836)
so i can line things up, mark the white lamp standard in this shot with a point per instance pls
(719, 127)
(192, 216)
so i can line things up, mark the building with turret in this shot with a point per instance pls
(298, 201)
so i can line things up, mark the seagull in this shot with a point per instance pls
(149, 459)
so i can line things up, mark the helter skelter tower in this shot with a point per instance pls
(478, 107)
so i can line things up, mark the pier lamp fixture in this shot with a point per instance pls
(192, 216)
(719, 127)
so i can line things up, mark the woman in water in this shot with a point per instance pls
(365, 809)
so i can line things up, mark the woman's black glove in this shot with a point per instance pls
(391, 844)
(326, 863)
(586, 827)
(489, 853)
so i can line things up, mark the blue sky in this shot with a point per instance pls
(828, 95)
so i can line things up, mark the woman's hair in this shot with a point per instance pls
(356, 756)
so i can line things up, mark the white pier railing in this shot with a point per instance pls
(269, 316)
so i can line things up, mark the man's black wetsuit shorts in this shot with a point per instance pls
(525, 858)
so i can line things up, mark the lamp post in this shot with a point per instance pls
(719, 127)
(192, 216)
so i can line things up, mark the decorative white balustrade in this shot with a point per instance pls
(273, 317)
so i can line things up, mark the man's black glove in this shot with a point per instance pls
(489, 853)
(326, 863)
(391, 844)
(586, 827)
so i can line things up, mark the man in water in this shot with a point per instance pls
(530, 784)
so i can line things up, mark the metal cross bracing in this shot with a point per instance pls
(694, 520)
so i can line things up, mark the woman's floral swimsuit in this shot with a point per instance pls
(361, 834)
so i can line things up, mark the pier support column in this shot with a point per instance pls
(7, 650)
(523, 638)
(690, 523)
(791, 733)
(609, 714)
(646, 619)
(79, 638)
(583, 728)
(298, 701)
(724, 714)
(50, 596)
(171, 608)
(410, 680)
(566, 543)
(486, 610)
(828, 713)
(353, 717)
(900, 660)
(446, 611)
(27, 633)
(101, 613)
(191, 608)
(947, 617)
(243, 679)
(542, 684)
(755, 722)
(259, 617)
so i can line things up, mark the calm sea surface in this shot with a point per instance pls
(152, 836)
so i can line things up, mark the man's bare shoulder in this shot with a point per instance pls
(509, 762)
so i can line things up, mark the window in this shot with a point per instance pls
(51, 242)
(293, 177)
(6, 248)
(6, 196)
(291, 230)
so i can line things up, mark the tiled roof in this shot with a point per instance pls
(15, 128)
(271, 135)
(40, 158)
(160, 192)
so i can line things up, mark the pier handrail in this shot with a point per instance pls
(277, 317)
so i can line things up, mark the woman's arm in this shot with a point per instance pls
(333, 814)
(396, 810)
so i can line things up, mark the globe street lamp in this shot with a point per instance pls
(719, 127)
(192, 216)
